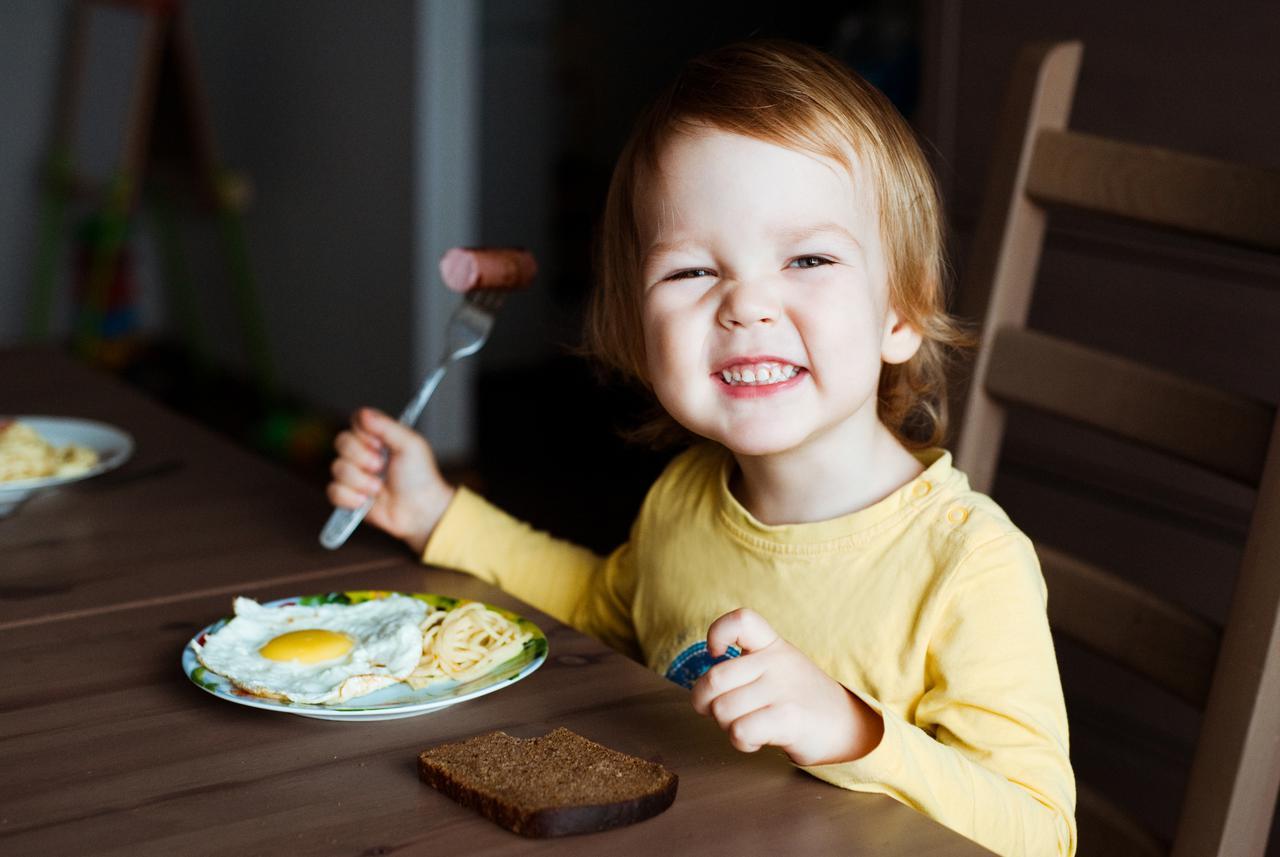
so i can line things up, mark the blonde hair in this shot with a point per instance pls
(795, 96)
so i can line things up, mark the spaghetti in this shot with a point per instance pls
(24, 454)
(465, 643)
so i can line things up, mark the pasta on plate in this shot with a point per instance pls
(465, 643)
(24, 454)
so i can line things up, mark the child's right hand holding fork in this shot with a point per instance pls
(410, 495)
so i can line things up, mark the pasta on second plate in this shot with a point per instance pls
(24, 454)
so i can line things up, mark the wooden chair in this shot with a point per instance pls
(1232, 673)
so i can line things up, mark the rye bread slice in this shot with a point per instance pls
(556, 785)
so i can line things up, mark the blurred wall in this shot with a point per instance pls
(520, 115)
(30, 32)
(314, 101)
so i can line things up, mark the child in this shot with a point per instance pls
(814, 570)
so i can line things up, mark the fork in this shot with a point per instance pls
(466, 333)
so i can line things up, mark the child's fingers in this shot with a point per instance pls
(723, 678)
(743, 627)
(390, 432)
(369, 418)
(757, 728)
(352, 448)
(368, 440)
(348, 474)
(731, 706)
(344, 496)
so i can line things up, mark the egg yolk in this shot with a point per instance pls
(307, 647)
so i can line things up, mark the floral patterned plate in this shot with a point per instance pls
(389, 703)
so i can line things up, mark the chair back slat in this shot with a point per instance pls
(1235, 775)
(1041, 165)
(1219, 431)
(1232, 202)
(1168, 645)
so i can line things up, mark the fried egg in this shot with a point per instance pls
(317, 654)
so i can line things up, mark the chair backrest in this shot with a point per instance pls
(1233, 673)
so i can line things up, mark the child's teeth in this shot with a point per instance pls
(760, 373)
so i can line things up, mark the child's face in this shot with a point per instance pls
(765, 262)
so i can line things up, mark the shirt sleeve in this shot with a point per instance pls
(986, 750)
(566, 581)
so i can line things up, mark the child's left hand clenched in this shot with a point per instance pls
(773, 694)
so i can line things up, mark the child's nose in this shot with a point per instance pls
(747, 303)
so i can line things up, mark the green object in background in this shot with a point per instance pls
(296, 435)
(105, 235)
(272, 435)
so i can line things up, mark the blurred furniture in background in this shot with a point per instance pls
(133, 179)
(132, 121)
(1233, 673)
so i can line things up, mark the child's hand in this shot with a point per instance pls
(415, 495)
(773, 694)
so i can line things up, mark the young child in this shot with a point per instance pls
(814, 569)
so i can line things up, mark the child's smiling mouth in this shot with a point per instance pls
(751, 377)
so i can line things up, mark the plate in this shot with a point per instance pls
(389, 703)
(112, 445)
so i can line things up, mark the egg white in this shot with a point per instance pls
(387, 645)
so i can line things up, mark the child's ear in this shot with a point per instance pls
(901, 340)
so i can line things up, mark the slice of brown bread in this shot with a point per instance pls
(556, 785)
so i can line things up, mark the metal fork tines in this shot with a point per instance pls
(465, 334)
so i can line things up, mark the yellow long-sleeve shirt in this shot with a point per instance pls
(929, 605)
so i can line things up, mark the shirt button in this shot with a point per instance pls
(922, 488)
(957, 515)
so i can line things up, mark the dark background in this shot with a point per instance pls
(610, 60)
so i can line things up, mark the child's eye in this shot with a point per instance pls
(809, 262)
(691, 273)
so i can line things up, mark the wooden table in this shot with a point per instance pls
(109, 749)
(188, 513)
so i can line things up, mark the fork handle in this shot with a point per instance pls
(413, 410)
(343, 522)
